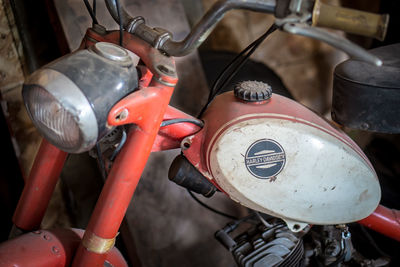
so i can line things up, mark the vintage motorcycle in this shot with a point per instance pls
(263, 150)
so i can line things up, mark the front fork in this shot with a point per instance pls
(38, 189)
(144, 109)
(116, 194)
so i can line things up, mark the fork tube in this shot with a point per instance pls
(120, 185)
(39, 187)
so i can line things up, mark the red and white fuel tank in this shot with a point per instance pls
(276, 156)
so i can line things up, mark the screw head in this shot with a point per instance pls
(55, 250)
(123, 115)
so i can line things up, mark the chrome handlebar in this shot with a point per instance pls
(297, 21)
(162, 39)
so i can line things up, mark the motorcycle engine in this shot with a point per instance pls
(263, 246)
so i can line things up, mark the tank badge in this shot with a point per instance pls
(265, 158)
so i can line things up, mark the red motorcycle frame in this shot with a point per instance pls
(146, 108)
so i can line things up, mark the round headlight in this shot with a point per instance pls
(60, 111)
(57, 123)
(69, 99)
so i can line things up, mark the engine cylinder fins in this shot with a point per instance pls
(262, 246)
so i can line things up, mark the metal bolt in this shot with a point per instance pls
(123, 115)
(55, 250)
(186, 145)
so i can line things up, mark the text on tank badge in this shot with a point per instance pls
(265, 158)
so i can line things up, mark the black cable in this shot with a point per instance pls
(121, 28)
(120, 145)
(234, 66)
(339, 259)
(255, 45)
(94, 5)
(210, 208)
(174, 121)
(101, 162)
(252, 47)
(91, 13)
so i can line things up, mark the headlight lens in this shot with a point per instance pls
(69, 99)
(60, 111)
(55, 122)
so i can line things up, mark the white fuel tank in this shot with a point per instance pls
(282, 159)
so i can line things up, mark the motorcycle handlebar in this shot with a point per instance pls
(350, 20)
(293, 16)
(162, 40)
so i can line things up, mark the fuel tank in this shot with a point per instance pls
(278, 157)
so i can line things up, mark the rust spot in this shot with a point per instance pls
(333, 188)
(272, 179)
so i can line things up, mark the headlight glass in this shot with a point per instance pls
(53, 121)
(69, 99)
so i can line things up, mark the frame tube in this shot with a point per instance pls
(39, 187)
(385, 221)
(125, 172)
(170, 137)
(145, 109)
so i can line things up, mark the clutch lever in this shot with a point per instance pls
(334, 40)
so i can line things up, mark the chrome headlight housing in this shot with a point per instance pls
(69, 99)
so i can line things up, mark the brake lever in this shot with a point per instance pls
(334, 40)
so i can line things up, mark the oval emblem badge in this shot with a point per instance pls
(265, 158)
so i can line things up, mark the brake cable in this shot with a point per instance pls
(234, 66)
